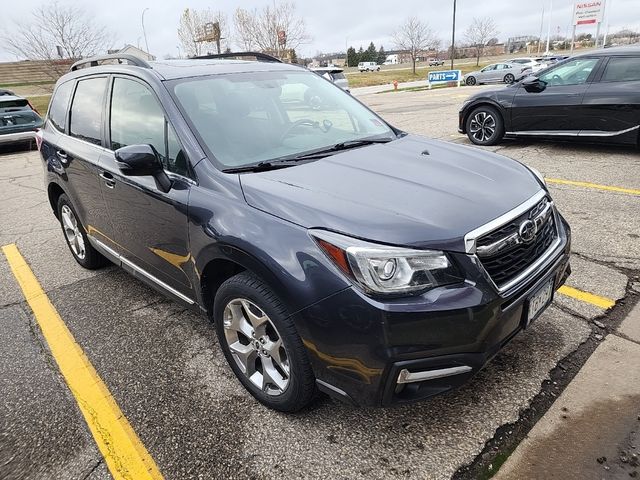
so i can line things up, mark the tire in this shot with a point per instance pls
(470, 81)
(485, 126)
(509, 78)
(76, 236)
(253, 328)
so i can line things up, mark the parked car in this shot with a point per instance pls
(534, 64)
(334, 74)
(332, 251)
(5, 92)
(497, 72)
(18, 120)
(434, 62)
(594, 96)
(368, 67)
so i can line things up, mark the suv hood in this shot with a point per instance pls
(411, 192)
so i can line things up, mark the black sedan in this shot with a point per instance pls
(593, 96)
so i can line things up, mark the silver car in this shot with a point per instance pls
(334, 74)
(497, 72)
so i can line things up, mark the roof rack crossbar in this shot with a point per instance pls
(259, 56)
(94, 61)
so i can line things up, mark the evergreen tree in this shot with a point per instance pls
(371, 54)
(382, 56)
(352, 57)
(361, 56)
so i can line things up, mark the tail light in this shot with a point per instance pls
(39, 138)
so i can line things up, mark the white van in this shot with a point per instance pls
(368, 67)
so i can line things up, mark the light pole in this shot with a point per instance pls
(453, 35)
(549, 26)
(144, 32)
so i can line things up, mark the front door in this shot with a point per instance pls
(148, 227)
(555, 107)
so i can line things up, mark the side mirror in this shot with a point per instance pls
(533, 84)
(143, 160)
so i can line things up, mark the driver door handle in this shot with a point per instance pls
(109, 181)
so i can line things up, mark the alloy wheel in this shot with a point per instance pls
(482, 126)
(509, 78)
(72, 232)
(256, 346)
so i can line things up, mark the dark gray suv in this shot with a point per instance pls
(333, 251)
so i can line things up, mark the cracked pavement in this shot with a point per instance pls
(168, 375)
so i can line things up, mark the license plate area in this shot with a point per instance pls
(538, 301)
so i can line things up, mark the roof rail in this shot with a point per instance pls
(94, 61)
(260, 57)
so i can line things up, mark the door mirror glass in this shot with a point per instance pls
(141, 160)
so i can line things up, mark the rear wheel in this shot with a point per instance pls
(76, 237)
(485, 126)
(261, 344)
(470, 81)
(509, 78)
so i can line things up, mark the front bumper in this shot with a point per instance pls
(367, 351)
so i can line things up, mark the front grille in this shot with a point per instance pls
(514, 258)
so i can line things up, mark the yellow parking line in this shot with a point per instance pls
(597, 186)
(121, 448)
(597, 300)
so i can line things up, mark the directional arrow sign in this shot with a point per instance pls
(444, 76)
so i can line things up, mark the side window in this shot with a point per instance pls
(86, 110)
(572, 72)
(137, 118)
(58, 109)
(622, 69)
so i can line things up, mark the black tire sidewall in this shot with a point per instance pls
(92, 258)
(301, 387)
(470, 81)
(499, 131)
(509, 76)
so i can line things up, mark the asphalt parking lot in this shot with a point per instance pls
(165, 371)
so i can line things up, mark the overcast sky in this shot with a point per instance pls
(332, 23)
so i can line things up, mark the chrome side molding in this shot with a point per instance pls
(573, 133)
(123, 261)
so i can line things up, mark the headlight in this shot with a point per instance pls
(538, 175)
(387, 270)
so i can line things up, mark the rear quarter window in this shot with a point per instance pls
(86, 110)
(57, 114)
(622, 69)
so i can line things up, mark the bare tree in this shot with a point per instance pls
(479, 33)
(275, 29)
(191, 31)
(52, 25)
(415, 37)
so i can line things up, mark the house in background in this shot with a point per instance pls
(135, 51)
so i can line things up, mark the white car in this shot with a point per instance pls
(533, 63)
(334, 74)
(497, 72)
(368, 67)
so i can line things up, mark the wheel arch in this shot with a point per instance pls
(54, 191)
(485, 102)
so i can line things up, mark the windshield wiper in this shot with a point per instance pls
(289, 161)
(341, 146)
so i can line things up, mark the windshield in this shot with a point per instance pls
(246, 118)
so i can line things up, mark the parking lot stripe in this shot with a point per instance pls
(597, 186)
(124, 453)
(593, 299)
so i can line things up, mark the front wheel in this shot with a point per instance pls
(485, 126)
(471, 81)
(509, 78)
(261, 344)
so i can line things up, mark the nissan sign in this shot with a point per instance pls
(588, 13)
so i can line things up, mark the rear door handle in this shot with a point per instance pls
(62, 155)
(109, 181)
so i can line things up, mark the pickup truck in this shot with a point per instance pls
(434, 62)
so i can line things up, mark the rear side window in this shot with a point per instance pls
(338, 76)
(86, 110)
(622, 69)
(59, 104)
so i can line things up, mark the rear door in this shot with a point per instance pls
(612, 104)
(148, 227)
(78, 152)
(556, 108)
